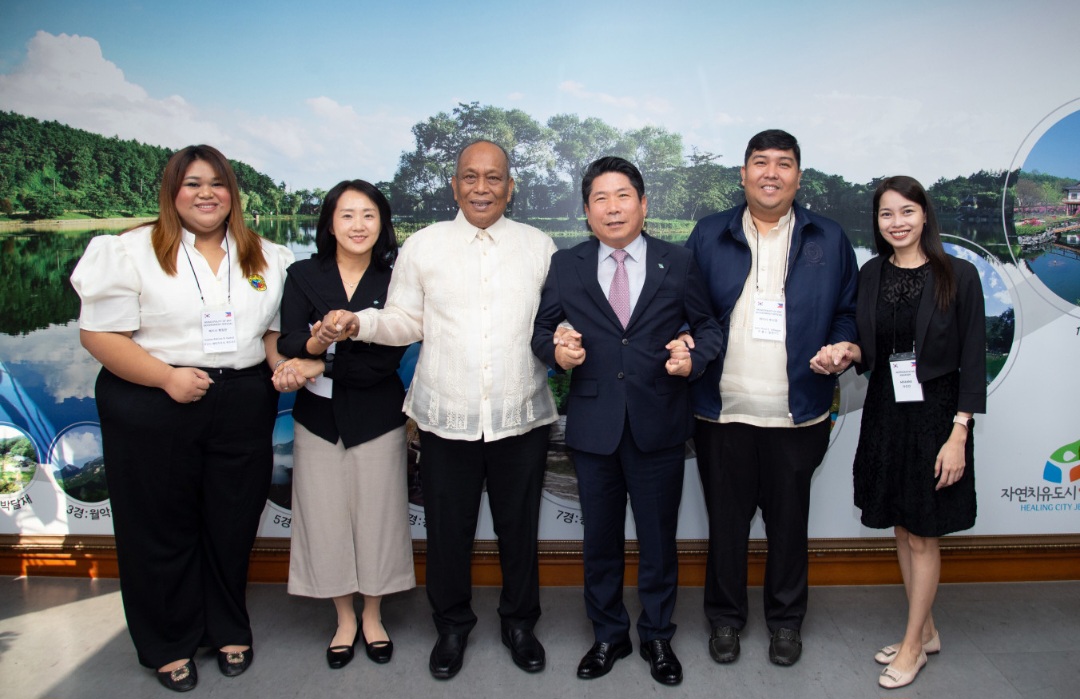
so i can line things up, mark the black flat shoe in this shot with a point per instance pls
(785, 647)
(599, 660)
(724, 644)
(233, 663)
(182, 679)
(663, 665)
(525, 649)
(447, 655)
(379, 651)
(338, 657)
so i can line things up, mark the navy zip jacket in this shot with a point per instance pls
(822, 280)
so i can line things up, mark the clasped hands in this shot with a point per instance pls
(835, 359)
(336, 326)
(569, 353)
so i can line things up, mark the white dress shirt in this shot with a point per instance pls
(471, 296)
(124, 289)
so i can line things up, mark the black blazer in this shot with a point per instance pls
(368, 395)
(623, 375)
(944, 342)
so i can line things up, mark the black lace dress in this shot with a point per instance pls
(899, 442)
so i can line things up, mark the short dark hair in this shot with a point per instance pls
(773, 139)
(611, 163)
(470, 144)
(385, 251)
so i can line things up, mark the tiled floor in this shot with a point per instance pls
(64, 638)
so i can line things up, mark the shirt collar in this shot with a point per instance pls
(189, 238)
(782, 224)
(470, 232)
(635, 250)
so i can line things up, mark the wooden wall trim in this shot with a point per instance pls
(832, 561)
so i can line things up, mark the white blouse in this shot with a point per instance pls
(124, 289)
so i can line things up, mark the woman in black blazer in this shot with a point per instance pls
(922, 337)
(350, 530)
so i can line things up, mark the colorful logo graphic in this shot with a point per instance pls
(1065, 460)
(257, 282)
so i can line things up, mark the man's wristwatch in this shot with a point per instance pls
(328, 365)
(968, 422)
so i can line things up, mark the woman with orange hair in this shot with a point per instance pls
(182, 314)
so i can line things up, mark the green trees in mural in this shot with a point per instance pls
(47, 168)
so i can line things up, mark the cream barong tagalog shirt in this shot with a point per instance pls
(471, 295)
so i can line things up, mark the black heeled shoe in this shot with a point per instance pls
(338, 657)
(182, 679)
(379, 651)
(234, 663)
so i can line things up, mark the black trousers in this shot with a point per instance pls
(742, 468)
(187, 484)
(453, 473)
(654, 483)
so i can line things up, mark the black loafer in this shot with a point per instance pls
(182, 679)
(663, 665)
(235, 663)
(785, 647)
(338, 657)
(379, 651)
(724, 644)
(601, 658)
(525, 648)
(447, 655)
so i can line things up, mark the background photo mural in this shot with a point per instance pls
(90, 110)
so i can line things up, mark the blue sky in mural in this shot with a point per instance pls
(317, 93)
(1057, 152)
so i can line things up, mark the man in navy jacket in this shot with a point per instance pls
(629, 415)
(782, 282)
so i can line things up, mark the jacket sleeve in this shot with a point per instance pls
(548, 316)
(971, 319)
(704, 328)
(843, 327)
(296, 310)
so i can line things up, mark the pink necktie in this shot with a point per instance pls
(619, 293)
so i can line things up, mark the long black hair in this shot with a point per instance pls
(930, 240)
(385, 250)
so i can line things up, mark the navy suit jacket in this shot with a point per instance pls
(623, 375)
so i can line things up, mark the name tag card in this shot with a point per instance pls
(906, 387)
(769, 322)
(218, 330)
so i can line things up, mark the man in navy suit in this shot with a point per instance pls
(627, 295)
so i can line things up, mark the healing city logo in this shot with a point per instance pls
(1065, 462)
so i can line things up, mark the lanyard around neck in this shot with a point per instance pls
(787, 253)
(228, 261)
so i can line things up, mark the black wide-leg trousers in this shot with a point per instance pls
(187, 484)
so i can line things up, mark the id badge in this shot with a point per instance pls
(218, 330)
(906, 387)
(769, 323)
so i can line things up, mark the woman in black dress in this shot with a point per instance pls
(921, 321)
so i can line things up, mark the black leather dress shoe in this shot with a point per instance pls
(724, 644)
(379, 651)
(235, 663)
(182, 679)
(338, 657)
(785, 647)
(447, 655)
(664, 666)
(601, 658)
(525, 649)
